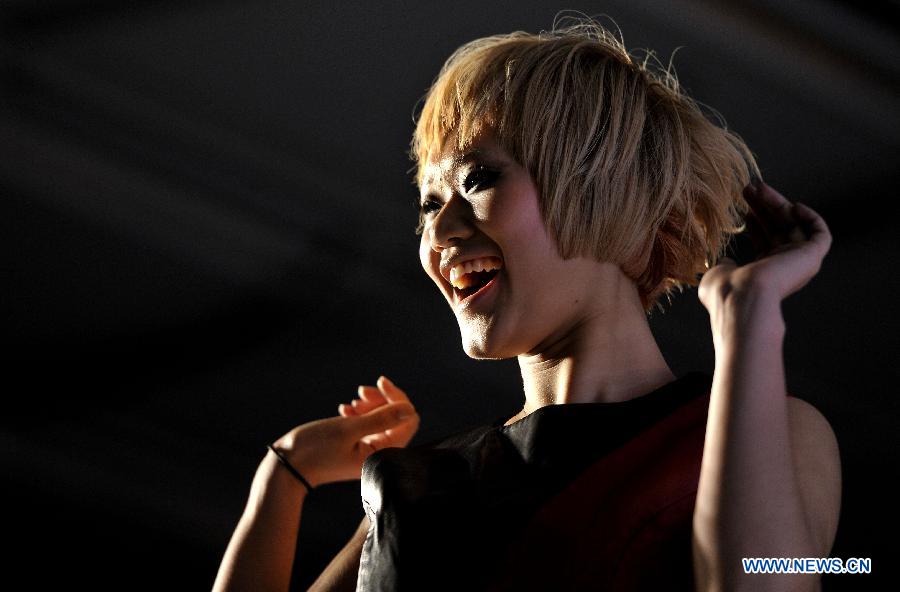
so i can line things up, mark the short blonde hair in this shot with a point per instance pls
(629, 169)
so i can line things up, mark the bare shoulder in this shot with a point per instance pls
(818, 465)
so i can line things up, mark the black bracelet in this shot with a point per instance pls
(288, 466)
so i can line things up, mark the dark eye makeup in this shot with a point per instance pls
(479, 178)
(428, 206)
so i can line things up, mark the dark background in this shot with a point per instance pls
(207, 230)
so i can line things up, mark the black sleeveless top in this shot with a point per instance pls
(442, 513)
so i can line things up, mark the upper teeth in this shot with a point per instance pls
(458, 272)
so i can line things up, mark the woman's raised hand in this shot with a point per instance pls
(334, 448)
(790, 239)
(373, 397)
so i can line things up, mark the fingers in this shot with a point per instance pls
(369, 398)
(804, 224)
(352, 409)
(402, 434)
(772, 210)
(371, 394)
(390, 390)
(372, 401)
(814, 225)
(781, 221)
(380, 419)
(770, 205)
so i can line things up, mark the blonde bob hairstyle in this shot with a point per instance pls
(629, 169)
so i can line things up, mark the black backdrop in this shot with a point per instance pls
(207, 230)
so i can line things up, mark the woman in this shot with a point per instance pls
(565, 188)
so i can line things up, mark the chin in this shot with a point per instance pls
(481, 346)
(479, 353)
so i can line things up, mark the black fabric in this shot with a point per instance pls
(442, 512)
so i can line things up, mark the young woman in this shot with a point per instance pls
(565, 188)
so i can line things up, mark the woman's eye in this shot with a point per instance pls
(428, 206)
(480, 177)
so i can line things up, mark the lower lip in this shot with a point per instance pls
(481, 295)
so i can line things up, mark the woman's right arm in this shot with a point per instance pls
(261, 552)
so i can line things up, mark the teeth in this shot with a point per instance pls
(459, 274)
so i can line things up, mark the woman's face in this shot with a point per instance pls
(481, 207)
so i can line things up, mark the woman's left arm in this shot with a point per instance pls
(770, 481)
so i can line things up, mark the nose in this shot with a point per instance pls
(451, 224)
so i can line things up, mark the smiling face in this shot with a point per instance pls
(480, 211)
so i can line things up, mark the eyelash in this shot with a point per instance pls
(479, 172)
(429, 205)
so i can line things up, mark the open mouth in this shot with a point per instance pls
(471, 277)
(479, 280)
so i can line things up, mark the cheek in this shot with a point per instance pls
(518, 206)
(528, 241)
(530, 218)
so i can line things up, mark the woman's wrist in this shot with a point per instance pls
(748, 314)
(273, 483)
(300, 458)
(289, 467)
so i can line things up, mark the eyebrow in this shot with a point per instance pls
(474, 154)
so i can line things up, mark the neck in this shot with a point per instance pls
(607, 355)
